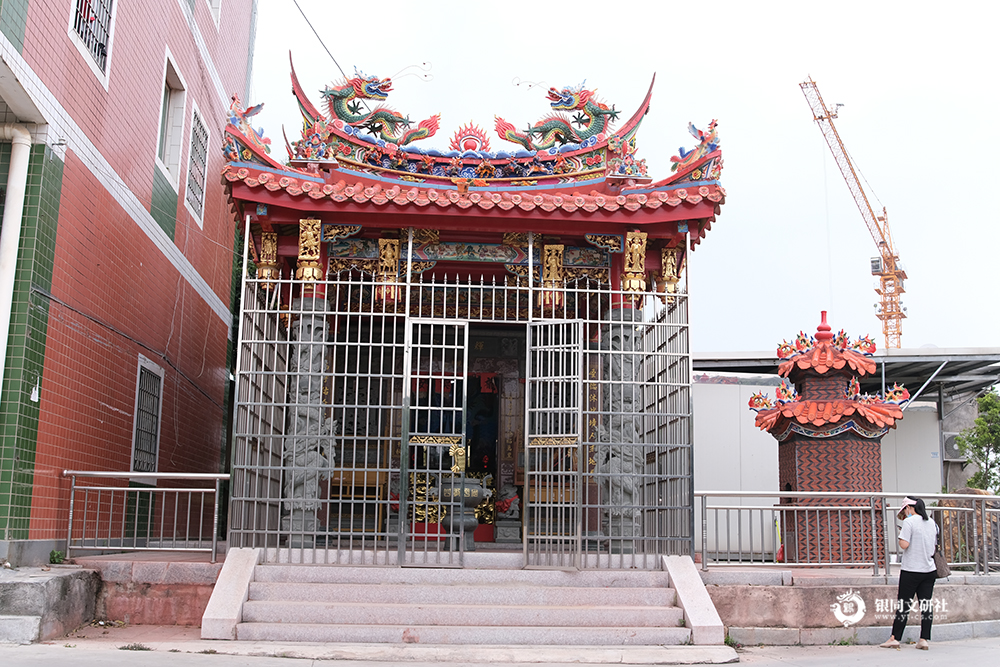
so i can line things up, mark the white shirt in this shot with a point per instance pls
(922, 536)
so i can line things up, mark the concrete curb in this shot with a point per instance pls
(768, 577)
(469, 654)
(863, 635)
(225, 607)
(20, 629)
(699, 611)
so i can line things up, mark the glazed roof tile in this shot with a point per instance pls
(825, 356)
(362, 192)
(819, 413)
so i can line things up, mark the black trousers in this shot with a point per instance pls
(920, 584)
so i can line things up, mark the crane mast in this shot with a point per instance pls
(887, 265)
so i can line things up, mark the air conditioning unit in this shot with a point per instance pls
(951, 450)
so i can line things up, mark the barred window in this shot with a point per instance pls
(92, 23)
(197, 164)
(145, 445)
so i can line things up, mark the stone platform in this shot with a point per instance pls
(37, 603)
(787, 606)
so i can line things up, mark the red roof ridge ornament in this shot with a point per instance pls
(823, 331)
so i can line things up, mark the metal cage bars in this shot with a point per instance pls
(326, 384)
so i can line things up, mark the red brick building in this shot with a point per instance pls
(118, 268)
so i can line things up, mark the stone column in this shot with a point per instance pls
(620, 459)
(308, 452)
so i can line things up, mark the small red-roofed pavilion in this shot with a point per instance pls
(829, 440)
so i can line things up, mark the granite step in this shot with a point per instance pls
(461, 615)
(456, 635)
(344, 604)
(407, 576)
(501, 594)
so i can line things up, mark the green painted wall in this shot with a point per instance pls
(13, 18)
(164, 205)
(28, 332)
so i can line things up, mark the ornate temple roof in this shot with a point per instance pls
(362, 191)
(818, 414)
(572, 165)
(825, 352)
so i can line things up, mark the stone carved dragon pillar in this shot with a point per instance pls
(309, 435)
(620, 457)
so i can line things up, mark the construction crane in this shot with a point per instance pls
(887, 265)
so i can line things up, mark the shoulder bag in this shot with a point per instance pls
(940, 562)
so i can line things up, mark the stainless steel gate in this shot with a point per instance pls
(339, 456)
(436, 509)
(554, 463)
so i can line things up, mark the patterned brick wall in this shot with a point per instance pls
(846, 463)
(113, 292)
(822, 387)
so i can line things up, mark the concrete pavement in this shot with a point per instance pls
(969, 652)
(172, 645)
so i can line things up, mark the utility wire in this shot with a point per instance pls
(101, 323)
(321, 43)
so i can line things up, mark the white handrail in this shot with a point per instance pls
(216, 478)
(145, 475)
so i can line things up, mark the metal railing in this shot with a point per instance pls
(827, 529)
(143, 516)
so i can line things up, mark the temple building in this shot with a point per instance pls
(470, 348)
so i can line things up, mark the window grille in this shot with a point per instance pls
(147, 421)
(92, 23)
(197, 163)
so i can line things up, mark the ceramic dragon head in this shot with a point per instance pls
(760, 401)
(370, 87)
(569, 99)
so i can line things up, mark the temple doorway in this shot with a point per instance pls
(495, 427)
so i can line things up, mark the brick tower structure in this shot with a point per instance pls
(829, 439)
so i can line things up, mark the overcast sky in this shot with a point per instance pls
(918, 81)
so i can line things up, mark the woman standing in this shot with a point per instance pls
(917, 540)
